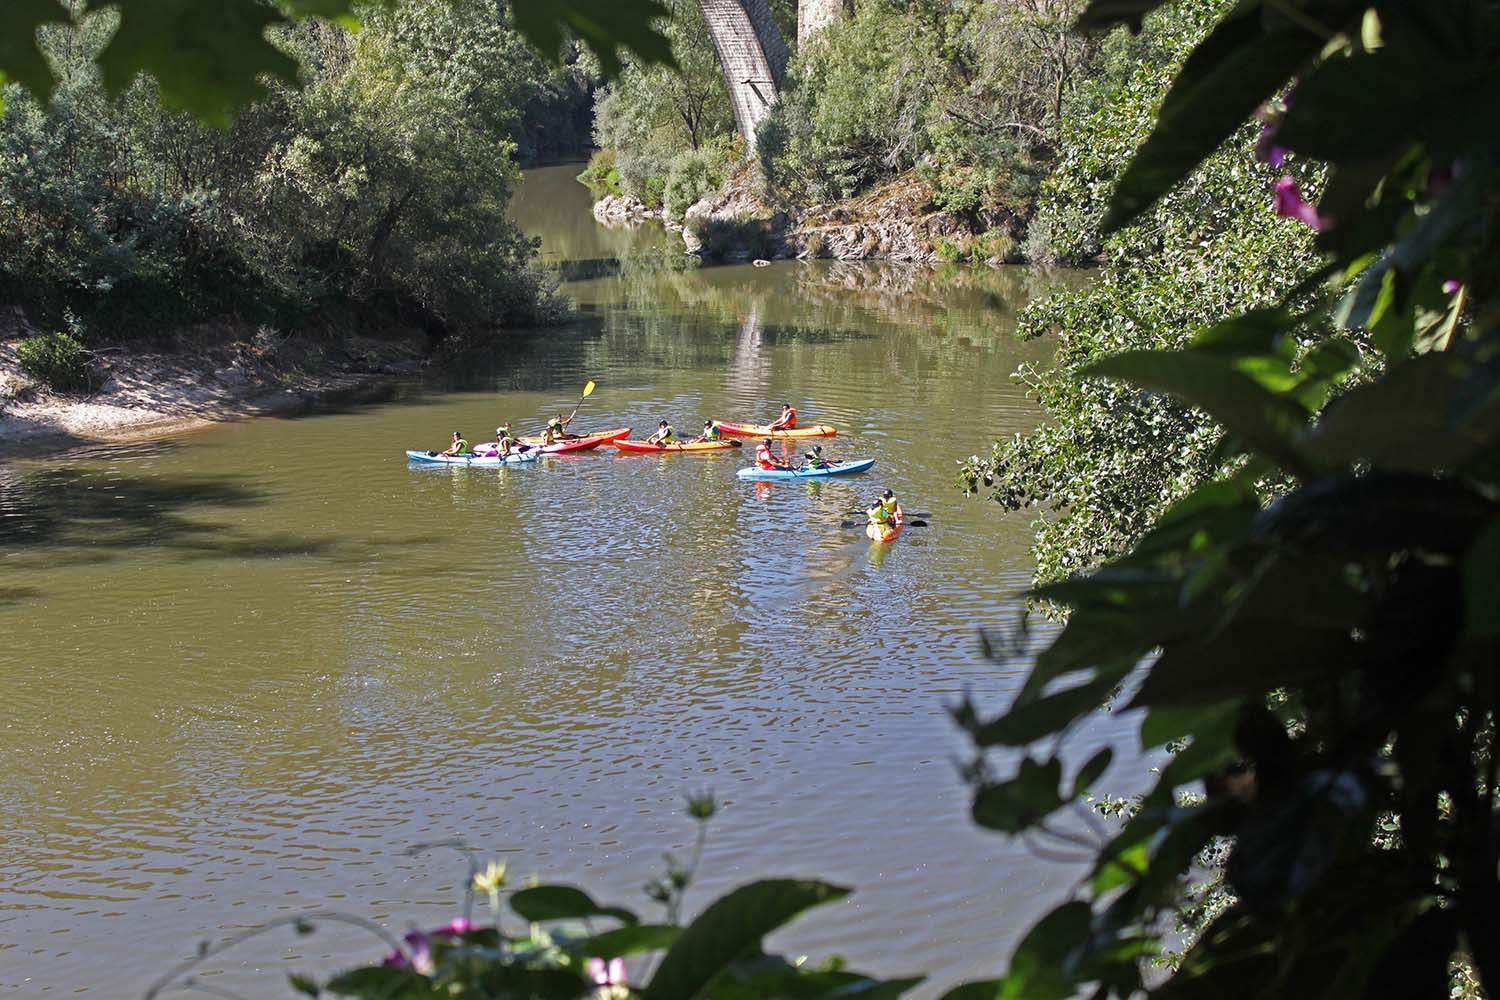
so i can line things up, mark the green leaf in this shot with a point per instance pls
(208, 56)
(1036, 967)
(1236, 68)
(1285, 848)
(1216, 385)
(1023, 801)
(306, 985)
(1246, 660)
(380, 982)
(1482, 585)
(1166, 723)
(629, 940)
(1092, 771)
(603, 25)
(562, 902)
(1404, 421)
(1416, 963)
(21, 59)
(1026, 722)
(987, 990)
(730, 928)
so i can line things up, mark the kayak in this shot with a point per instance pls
(763, 431)
(476, 461)
(836, 469)
(884, 532)
(583, 443)
(641, 446)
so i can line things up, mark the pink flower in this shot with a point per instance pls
(1266, 150)
(611, 973)
(1289, 203)
(1451, 286)
(453, 928)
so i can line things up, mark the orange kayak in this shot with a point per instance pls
(641, 446)
(763, 431)
(884, 532)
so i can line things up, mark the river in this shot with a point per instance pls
(246, 669)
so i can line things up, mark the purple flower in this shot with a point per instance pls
(1266, 150)
(611, 973)
(1451, 286)
(1290, 204)
(421, 953)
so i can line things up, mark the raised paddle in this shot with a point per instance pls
(588, 390)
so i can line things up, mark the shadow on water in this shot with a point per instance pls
(101, 515)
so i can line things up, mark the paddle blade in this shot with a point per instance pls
(736, 444)
(588, 390)
(916, 524)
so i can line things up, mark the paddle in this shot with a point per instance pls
(920, 513)
(588, 390)
(913, 523)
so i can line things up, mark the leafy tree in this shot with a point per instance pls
(1325, 653)
(652, 113)
(1111, 460)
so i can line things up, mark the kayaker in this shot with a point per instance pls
(787, 420)
(458, 447)
(814, 458)
(663, 434)
(507, 442)
(893, 507)
(711, 432)
(765, 460)
(557, 430)
(878, 514)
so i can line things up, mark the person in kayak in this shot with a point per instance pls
(893, 507)
(879, 515)
(557, 430)
(787, 420)
(507, 442)
(814, 459)
(711, 432)
(663, 434)
(458, 447)
(765, 460)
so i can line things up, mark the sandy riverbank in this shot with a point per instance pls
(143, 393)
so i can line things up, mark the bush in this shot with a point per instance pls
(693, 174)
(56, 360)
(601, 176)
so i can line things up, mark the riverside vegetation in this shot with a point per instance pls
(1301, 604)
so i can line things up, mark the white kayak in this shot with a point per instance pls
(477, 461)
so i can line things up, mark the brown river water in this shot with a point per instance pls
(246, 669)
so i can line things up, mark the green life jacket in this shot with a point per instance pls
(889, 506)
(463, 447)
(816, 460)
(713, 433)
(880, 515)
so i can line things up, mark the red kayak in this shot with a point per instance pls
(583, 443)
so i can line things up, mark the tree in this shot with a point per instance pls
(1316, 626)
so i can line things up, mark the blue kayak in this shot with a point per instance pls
(834, 469)
(477, 461)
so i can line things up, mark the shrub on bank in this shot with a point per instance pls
(56, 360)
(601, 176)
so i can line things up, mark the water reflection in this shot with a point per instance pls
(245, 672)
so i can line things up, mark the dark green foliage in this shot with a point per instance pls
(1312, 627)
(735, 239)
(381, 183)
(211, 58)
(56, 360)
